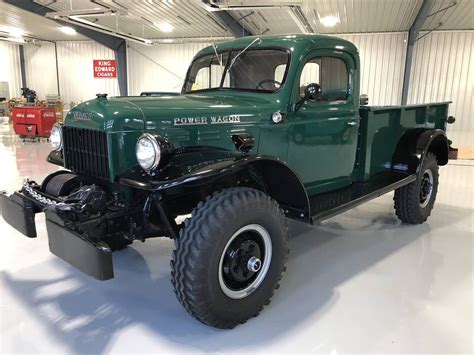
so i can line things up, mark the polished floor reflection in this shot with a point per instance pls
(360, 282)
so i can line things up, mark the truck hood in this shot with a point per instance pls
(153, 113)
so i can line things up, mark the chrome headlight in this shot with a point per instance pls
(56, 137)
(148, 151)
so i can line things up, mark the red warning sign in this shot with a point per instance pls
(105, 68)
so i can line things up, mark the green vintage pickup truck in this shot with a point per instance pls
(266, 128)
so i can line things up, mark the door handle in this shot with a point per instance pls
(352, 123)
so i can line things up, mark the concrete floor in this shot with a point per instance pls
(360, 282)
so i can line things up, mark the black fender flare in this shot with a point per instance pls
(280, 182)
(413, 146)
(285, 187)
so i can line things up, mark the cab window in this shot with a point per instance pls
(331, 74)
(260, 70)
(248, 69)
(208, 72)
(279, 73)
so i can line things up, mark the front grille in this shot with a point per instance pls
(85, 152)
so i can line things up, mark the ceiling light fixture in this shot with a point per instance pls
(15, 32)
(80, 18)
(165, 27)
(19, 40)
(329, 21)
(68, 30)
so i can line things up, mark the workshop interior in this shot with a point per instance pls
(237, 176)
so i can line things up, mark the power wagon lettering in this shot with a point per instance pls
(187, 121)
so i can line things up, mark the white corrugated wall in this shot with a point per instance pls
(76, 77)
(10, 67)
(40, 68)
(382, 60)
(160, 67)
(443, 70)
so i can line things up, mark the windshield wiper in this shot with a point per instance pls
(217, 55)
(242, 51)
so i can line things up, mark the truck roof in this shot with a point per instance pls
(295, 42)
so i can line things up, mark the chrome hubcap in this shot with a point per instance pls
(426, 188)
(245, 261)
(254, 264)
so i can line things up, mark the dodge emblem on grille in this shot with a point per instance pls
(82, 115)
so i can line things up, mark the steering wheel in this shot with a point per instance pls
(276, 82)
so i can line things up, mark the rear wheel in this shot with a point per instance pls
(414, 202)
(230, 257)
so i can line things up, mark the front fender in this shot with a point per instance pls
(185, 168)
(415, 144)
(204, 169)
(55, 157)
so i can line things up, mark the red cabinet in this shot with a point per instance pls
(32, 121)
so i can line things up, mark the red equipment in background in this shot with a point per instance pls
(33, 121)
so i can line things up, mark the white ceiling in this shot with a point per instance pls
(458, 17)
(357, 16)
(30, 24)
(190, 19)
(362, 16)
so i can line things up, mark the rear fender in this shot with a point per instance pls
(415, 144)
(208, 172)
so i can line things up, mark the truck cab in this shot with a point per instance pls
(323, 125)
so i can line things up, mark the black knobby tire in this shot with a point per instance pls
(411, 206)
(198, 256)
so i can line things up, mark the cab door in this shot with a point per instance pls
(323, 131)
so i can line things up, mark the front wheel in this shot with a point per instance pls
(230, 257)
(414, 202)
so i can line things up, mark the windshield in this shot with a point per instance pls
(261, 70)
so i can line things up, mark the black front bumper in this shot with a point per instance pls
(94, 259)
(19, 212)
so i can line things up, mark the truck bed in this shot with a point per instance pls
(381, 128)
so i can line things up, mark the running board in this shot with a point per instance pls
(330, 204)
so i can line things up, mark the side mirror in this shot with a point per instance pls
(364, 100)
(311, 92)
